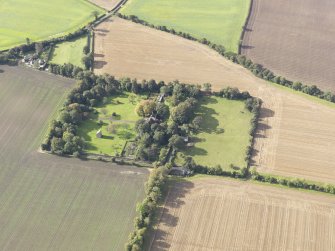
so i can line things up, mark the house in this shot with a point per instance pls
(99, 134)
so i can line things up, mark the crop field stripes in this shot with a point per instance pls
(48, 202)
(293, 39)
(219, 214)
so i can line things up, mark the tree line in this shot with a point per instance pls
(146, 209)
(257, 69)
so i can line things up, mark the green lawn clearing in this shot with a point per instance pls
(224, 134)
(69, 52)
(40, 20)
(220, 21)
(116, 130)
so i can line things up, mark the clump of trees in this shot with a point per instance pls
(155, 135)
(146, 209)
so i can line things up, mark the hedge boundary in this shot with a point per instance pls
(245, 26)
(257, 69)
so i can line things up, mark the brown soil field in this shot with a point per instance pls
(294, 39)
(221, 214)
(296, 136)
(106, 4)
(49, 202)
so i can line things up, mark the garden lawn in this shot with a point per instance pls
(70, 52)
(123, 125)
(41, 20)
(220, 21)
(213, 147)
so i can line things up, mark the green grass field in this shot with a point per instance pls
(69, 52)
(213, 147)
(220, 21)
(50, 202)
(40, 20)
(122, 128)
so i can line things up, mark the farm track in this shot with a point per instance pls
(49, 202)
(221, 214)
(295, 135)
(294, 39)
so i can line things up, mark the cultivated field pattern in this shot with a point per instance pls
(296, 135)
(294, 38)
(49, 202)
(221, 214)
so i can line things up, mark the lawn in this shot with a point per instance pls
(40, 20)
(224, 133)
(220, 21)
(116, 130)
(69, 52)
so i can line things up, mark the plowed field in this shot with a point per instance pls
(294, 38)
(220, 214)
(296, 135)
(49, 202)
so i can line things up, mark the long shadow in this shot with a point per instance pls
(99, 64)
(97, 55)
(247, 47)
(175, 199)
(209, 123)
(266, 113)
(101, 34)
(102, 30)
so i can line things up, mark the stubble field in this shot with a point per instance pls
(294, 39)
(221, 214)
(296, 136)
(49, 202)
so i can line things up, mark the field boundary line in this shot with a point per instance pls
(244, 27)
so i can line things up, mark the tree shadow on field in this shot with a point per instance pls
(262, 128)
(167, 221)
(2, 71)
(247, 47)
(101, 34)
(209, 123)
(102, 30)
(99, 64)
(97, 55)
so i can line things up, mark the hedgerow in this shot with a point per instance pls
(257, 69)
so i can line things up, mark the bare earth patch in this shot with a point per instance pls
(294, 38)
(296, 136)
(106, 4)
(220, 214)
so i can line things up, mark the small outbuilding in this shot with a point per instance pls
(99, 134)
